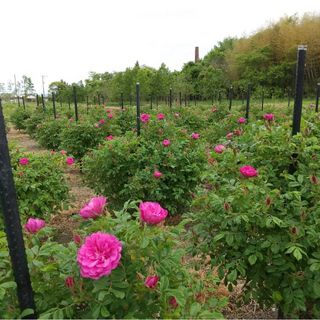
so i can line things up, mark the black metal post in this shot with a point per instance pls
(69, 103)
(248, 101)
(18, 101)
(75, 103)
(138, 107)
(37, 99)
(23, 103)
(219, 96)
(230, 97)
(262, 100)
(289, 98)
(12, 223)
(180, 99)
(122, 100)
(87, 104)
(170, 98)
(151, 102)
(297, 111)
(317, 98)
(54, 106)
(43, 104)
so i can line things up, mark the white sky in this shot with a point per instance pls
(65, 39)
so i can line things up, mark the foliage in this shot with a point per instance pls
(18, 118)
(40, 184)
(123, 168)
(49, 134)
(78, 138)
(147, 251)
(263, 230)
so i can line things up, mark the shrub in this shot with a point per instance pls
(32, 123)
(49, 134)
(79, 138)
(124, 167)
(40, 184)
(263, 229)
(147, 251)
(18, 118)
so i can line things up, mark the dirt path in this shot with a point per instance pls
(79, 194)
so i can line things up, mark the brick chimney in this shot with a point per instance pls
(196, 55)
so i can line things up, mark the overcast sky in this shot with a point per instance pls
(65, 39)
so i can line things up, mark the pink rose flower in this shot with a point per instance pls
(33, 225)
(109, 138)
(70, 161)
(242, 120)
(24, 161)
(99, 255)
(151, 282)
(157, 174)
(94, 208)
(229, 135)
(96, 125)
(145, 117)
(248, 171)
(160, 116)
(108, 110)
(219, 148)
(69, 282)
(152, 212)
(237, 132)
(166, 142)
(52, 152)
(102, 121)
(110, 115)
(63, 152)
(268, 116)
(195, 135)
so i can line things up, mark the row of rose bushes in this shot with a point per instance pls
(121, 265)
(260, 222)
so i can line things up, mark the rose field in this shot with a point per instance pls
(206, 214)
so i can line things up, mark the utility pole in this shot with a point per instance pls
(42, 77)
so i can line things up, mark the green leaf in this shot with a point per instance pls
(297, 253)
(232, 276)
(26, 312)
(117, 293)
(277, 296)
(252, 259)
(9, 284)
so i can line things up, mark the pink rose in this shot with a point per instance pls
(248, 171)
(157, 174)
(110, 116)
(242, 120)
(108, 110)
(160, 116)
(109, 138)
(151, 281)
(52, 152)
(229, 135)
(34, 225)
(94, 208)
(96, 125)
(70, 161)
(69, 282)
(152, 212)
(145, 117)
(237, 132)
(195, 135)
(24, 161)
(102, 121)
(268, 116)
(99, 255)
(219, 148)
(166, 142)
(63, 152)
